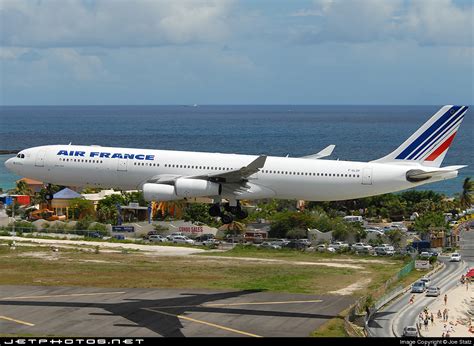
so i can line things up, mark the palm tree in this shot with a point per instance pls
(466, 194)
(22, 188)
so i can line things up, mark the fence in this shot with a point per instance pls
(361, 313)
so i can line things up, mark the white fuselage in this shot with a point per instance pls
(281, 177)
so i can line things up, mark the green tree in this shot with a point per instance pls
(107, 208)
(395, 237)
(22, 188)
(286, 221)
(40, 197)
(198, 212)
(82, 208)
(429, 221)
(465, 199)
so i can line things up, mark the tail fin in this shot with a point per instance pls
(429, 145)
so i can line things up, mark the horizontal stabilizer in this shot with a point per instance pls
(323, 153)
(416, 175)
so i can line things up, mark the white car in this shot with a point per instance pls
(181, 239)
(338, 245)
(156, 238)
(426, 280)
(455, 257)
(361, 247)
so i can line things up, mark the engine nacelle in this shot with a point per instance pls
(159, 192)
(196, 188)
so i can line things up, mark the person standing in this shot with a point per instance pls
(445, 299)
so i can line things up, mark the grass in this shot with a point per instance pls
(35, 265)
(332, 328)
(286, 254)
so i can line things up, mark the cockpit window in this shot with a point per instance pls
(21, 156)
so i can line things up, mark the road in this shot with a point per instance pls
(391, 320)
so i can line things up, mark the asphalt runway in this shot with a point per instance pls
(93, 312)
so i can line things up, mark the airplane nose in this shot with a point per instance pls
(9, 164)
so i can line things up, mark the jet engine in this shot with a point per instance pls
(196, 188)
(159, 192)
(183, 188)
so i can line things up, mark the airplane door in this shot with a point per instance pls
(40, 158)
(367, 176)
(122, 165)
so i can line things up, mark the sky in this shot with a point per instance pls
(104, 52)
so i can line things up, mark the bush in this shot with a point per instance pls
(22, 226)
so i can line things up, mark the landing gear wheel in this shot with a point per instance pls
(226, 219)
(242, 214)
(215, 210)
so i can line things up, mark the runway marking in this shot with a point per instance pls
(267, 303)
(17, 321)
(205, 323)
(63, 295)
(238, 304)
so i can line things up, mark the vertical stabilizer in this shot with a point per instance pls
(429, 145)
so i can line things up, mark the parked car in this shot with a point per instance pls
(455, 257)
(94, 235)
(388, 247)
(281, 242)
(361, 247)
(204, 237)
(119, 237)
(433, 291)
(425, 255)
(269, 245)
(324, 248)
(306, 242)
(181, 239)
(418, 287)
(410, 331)
(295, 244)
(211, 242)
(157, 238)
(339, 245)
(383, 251)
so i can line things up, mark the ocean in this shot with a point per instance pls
(360, 133)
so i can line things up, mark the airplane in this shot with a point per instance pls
(165, 175)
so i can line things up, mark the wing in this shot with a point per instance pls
(323, 153)
(236, 177)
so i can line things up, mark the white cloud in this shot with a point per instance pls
(107, 23)
(428, 22)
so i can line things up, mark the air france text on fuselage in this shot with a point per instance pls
(106, 155)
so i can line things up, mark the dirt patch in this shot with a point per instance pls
(278, 261)
(346, 291)
(47, 256)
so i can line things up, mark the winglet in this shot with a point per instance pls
(255, 165)
(323, 153)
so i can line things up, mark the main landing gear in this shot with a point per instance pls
(228, 213)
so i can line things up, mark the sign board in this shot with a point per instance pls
(191, 229)
(123, 229)
(419, 264)
(133, 205)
